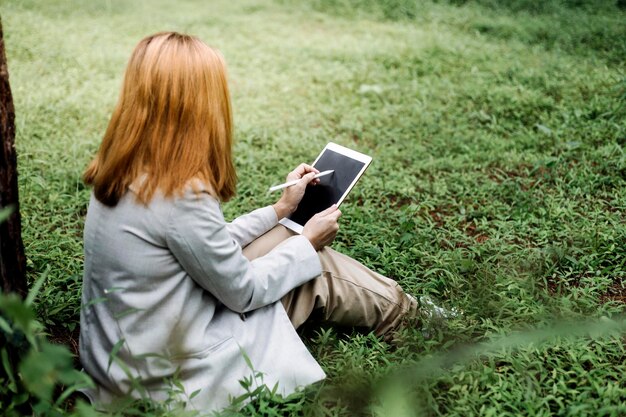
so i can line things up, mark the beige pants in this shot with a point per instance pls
(345, 294)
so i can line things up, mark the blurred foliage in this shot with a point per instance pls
(498, 184)
(36, 377)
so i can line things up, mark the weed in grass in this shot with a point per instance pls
(37, 377)
(497, 186)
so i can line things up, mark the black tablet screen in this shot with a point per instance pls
(331, 187)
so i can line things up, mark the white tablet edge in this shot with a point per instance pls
(290, 224)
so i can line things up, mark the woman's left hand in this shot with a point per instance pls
(292, 195)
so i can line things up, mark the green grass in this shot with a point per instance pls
(497, 187)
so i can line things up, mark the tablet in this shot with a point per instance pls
(348, 166)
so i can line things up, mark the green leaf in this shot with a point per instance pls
(246, 358)
(18, 312)
(193, 394)
(178, 384)
(83, 409)
(5, 326)
(246, 382)
(9, 370)
(42, 370)
(21, 398)
(113, 354)
(97, 300)
(126, 312)
(42, 408)
(34, 290)
(66, 394)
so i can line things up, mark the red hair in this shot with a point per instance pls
(172, 122)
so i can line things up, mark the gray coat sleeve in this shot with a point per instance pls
(199, 238)
(250, 226)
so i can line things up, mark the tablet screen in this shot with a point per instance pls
(332, 188)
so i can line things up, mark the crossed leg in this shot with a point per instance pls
(346, 293)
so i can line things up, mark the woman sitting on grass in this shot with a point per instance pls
(173, 291)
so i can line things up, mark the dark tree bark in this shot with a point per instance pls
(12, 259)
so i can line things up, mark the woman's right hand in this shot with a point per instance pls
(292, 195)
(322, 228)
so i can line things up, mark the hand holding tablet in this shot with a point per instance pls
(347, 166)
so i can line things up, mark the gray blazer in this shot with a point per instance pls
(167, 282)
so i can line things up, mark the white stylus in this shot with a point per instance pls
(294, 182)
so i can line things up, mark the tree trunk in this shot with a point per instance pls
(12, 259)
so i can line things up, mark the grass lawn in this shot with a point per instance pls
(498, 184)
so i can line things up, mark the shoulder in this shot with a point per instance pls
(194, 220)
(194, 209)
(196, 195)
(194, 192)
(194, 185)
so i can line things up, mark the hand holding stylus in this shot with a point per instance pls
(298, 179)
(294, 182)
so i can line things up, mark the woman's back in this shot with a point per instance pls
(135, 289)
(137, 292)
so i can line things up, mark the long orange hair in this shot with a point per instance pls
(172, 122)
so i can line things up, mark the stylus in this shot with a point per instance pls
(294, 182)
